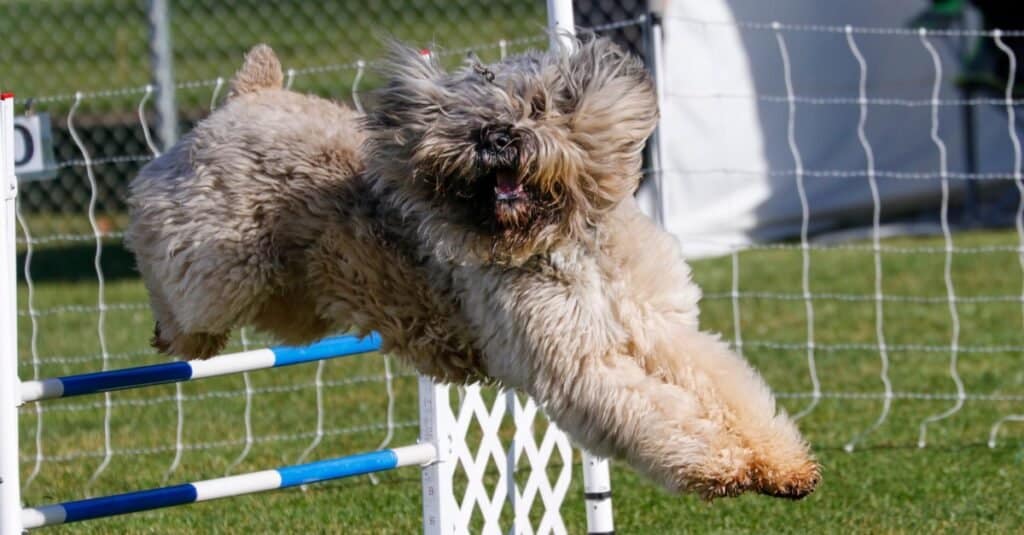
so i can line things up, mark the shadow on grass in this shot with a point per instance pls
(76, 263)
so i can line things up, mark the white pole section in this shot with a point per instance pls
(162, 55)
(597, 491)
(436, 426)
(10, 385)
(655, 64)
(561, 24)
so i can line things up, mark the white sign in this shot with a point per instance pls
(33, 148)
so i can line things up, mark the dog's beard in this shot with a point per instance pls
(497, 203)
(491, 190)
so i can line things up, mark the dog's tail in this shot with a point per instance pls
(261, 70)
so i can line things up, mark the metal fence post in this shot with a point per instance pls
(655, 148)
(561, 23)
(10, 385)
(162, 55)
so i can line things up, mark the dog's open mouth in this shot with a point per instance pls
(511, 200)
(507, 187)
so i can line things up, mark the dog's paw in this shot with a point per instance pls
(793, 484)
(728, 479)
(158, 342)
(191, 345)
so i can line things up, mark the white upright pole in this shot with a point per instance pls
(162, 55)
(436, 424)
(561, 24)
(10, 385)
(656, 141)
(597, 492)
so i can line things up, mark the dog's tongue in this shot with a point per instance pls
(507, 184)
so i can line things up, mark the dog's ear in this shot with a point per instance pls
(610, 90)
(613, 109)
(412, 90)
(261, 70)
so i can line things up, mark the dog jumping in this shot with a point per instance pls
(482, 221)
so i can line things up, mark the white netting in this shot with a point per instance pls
(940, 316)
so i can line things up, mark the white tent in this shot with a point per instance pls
(730, 169)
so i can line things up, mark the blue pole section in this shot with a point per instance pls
(173, 372)
(130, 502)
(91, 383)
(325, 349)
(363, 463)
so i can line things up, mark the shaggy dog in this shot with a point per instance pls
(483, 222)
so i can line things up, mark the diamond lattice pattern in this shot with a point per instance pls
(514, 462)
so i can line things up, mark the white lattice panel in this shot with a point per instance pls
(538, 483)
(496, 448)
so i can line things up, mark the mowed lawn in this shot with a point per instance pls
(956, 484)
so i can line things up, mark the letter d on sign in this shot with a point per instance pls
(24, 146)
(33, 148)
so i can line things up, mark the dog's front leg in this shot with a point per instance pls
(739, 404)
(557, 339)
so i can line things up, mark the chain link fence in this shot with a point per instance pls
(90, 68)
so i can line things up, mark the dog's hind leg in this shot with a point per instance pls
(291, 317)
(168, 336)
(169, 340)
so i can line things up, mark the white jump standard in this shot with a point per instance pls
(290, 476)
(10, 480)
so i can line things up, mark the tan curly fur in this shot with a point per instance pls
(482, 221)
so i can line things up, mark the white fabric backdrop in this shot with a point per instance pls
(727, 159)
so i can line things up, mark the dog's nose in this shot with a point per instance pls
(498, 140)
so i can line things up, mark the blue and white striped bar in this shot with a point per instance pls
(174, 372)
(212, 489)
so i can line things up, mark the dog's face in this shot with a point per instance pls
(522, 152)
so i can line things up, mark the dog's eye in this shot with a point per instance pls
(483, 71)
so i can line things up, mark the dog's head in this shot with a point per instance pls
(522, 153)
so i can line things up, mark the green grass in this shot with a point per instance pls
(956, 484)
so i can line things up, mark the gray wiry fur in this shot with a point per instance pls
(261, 215)
(485, 226)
